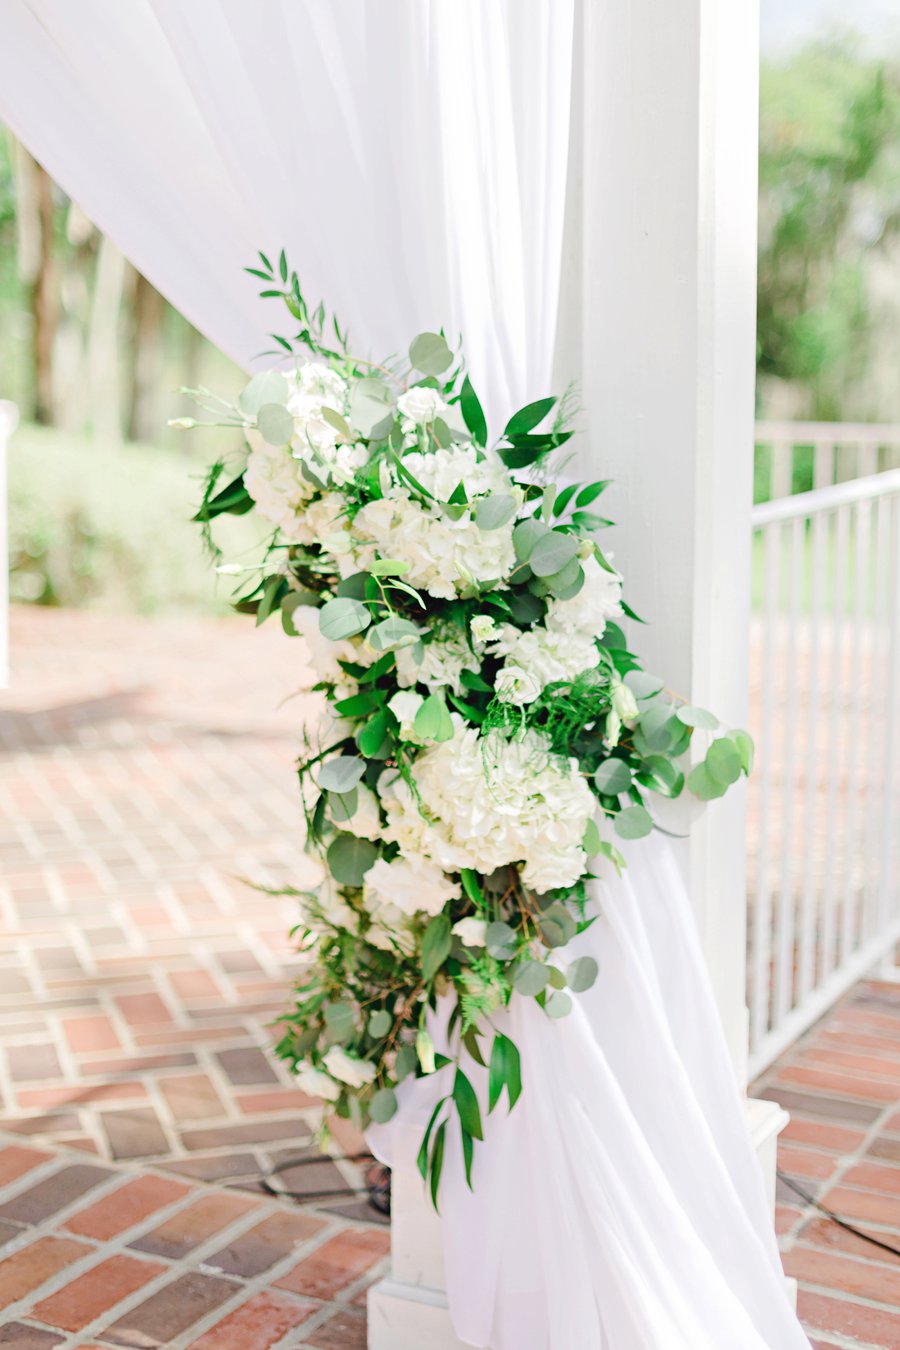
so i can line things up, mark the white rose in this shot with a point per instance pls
(413, 885)
(471, 932)
(349, 1069)
(404, 705)
(625, 704)
(316, 1083)
(421, 405)
(518, 686)
(483, 627)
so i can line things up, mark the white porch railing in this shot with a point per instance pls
(822, 453)
(824, 880)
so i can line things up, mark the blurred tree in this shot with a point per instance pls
(37, 271)
(829, 204)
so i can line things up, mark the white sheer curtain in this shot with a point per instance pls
(410, 154)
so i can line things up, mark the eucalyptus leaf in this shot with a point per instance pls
(388, 567)
(380, 1024)
(500, 940)
(383, 1105)
(703, 785)
(744, 742)
(552, 552)
(341, 774)
(275, 423)
(559, 1004)
(429, 353)
(633, 823)
(340, 1020)
(582, 973)
(530, 978)
(526, 535)
(591, 843)
(393, 633)
(269, 386)
(697, 717)
(723, 761)
(491, 513)
(342, 806)
(343, 618)
(350, 858)
(612, 777)
(642, 685)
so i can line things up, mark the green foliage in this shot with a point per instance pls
(829, 205)
(108, 527)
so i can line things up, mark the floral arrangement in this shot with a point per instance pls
(486, 733)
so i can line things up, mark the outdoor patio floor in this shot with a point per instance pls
(145, 771)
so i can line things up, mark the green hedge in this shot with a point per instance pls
(109, 528)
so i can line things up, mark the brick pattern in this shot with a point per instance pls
(172, 1264)
(841, 1083)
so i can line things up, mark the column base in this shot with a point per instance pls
(410, 1317)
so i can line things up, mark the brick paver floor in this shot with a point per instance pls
(145, 771)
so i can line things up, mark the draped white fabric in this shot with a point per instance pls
(620, 1205)
(410, 154)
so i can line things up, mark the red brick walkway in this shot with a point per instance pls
(144, 770)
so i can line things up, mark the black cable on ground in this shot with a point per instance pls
(377, 1188)
(835, 1218)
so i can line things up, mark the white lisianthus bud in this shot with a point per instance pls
(471, 932)
(182, 423)
(349, 1068)
(625, 704)
(518, 686)
(404, 705)
(316, 1083)
(483, 627)
(613, 727)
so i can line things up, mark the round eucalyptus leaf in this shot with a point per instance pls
(388, 567)
(633, 823)
(429, 353)
(495, 511)
(354, 586)
(380, 1024)
(342, 805)
(275, 423)
(551, 553)
(269, 386)
(697, 717)
(349, 859)
(407, 1062)
(642, 685)
(566, 584)
(530, 978)
(342, 618)
(559, 1004)
(612, 777)
(557, 978)
(659, 727)
(723, 761)
(500, 940)
(392, 633)
(341, 774)
(703, 785)
(339, 1019)
(383, 1105)
(662, 775)
(526, 535)
(582, 974)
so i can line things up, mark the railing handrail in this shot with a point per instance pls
(826, 498)
(841, 433)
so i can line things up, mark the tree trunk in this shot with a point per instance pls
(37, 272)
(149, 312)
(103, 343)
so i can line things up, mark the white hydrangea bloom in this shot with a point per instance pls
(391, 930)
(329, 909)
(411, 884)
(316, 1083)
(349, 1069)
(444, 659)
(444, 556)
(543, 654)
(419, 406)
(274, 480)
(598, 601)
(494, 801)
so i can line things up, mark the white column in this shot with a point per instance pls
(668, 280)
